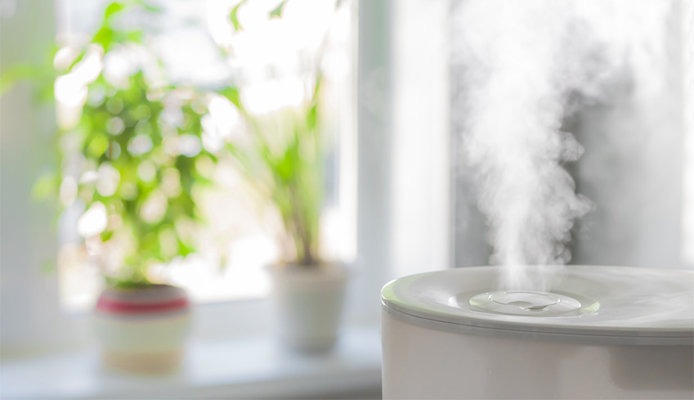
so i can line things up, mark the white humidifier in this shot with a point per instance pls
(600, 332)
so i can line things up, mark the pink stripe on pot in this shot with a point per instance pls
(111, 305)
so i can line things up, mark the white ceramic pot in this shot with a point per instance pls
(308, 303)
(603, 332)
(143, 330)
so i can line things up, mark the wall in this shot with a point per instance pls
(633, 165)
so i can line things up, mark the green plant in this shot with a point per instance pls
(133, 158)
(285, 163)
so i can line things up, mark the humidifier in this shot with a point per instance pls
(599, 332)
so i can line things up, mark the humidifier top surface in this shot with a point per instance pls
(624, 305)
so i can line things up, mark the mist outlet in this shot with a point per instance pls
(531, 303)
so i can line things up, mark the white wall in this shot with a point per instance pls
(633, 165)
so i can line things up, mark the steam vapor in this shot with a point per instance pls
(526, 63)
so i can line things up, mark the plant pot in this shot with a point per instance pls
(143, 330)
(308, 303)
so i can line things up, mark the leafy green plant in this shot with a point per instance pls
(285, 163)
(133, 158)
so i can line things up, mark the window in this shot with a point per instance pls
(33, 299)
(273, 62)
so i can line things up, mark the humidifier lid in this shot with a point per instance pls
(595, 304)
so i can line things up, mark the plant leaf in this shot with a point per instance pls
(232, 94)
(234, 17)
(112, 9)
(104, 37)
(149, 7)
(277, 11)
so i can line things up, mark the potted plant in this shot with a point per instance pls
(283, 158)
(129, 155)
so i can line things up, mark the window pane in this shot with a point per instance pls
(273, 63)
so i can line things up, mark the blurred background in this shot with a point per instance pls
(158, 135)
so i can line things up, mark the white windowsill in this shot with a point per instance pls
(239, 368)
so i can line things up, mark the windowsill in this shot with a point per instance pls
(255, 367)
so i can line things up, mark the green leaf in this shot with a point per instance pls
(285, 168)
(77, 59)
(233, 17)
(134, 36)
(97, 146)
(312, 117)
(104, 37)
(149, 7)
(184, 249)
(232, 94)
(317, 89)
(106, 235)
(112, 9)
(277, 11)
(131, 282)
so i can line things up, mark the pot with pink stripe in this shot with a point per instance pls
(143, 330)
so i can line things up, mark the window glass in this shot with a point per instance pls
(207, 45)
